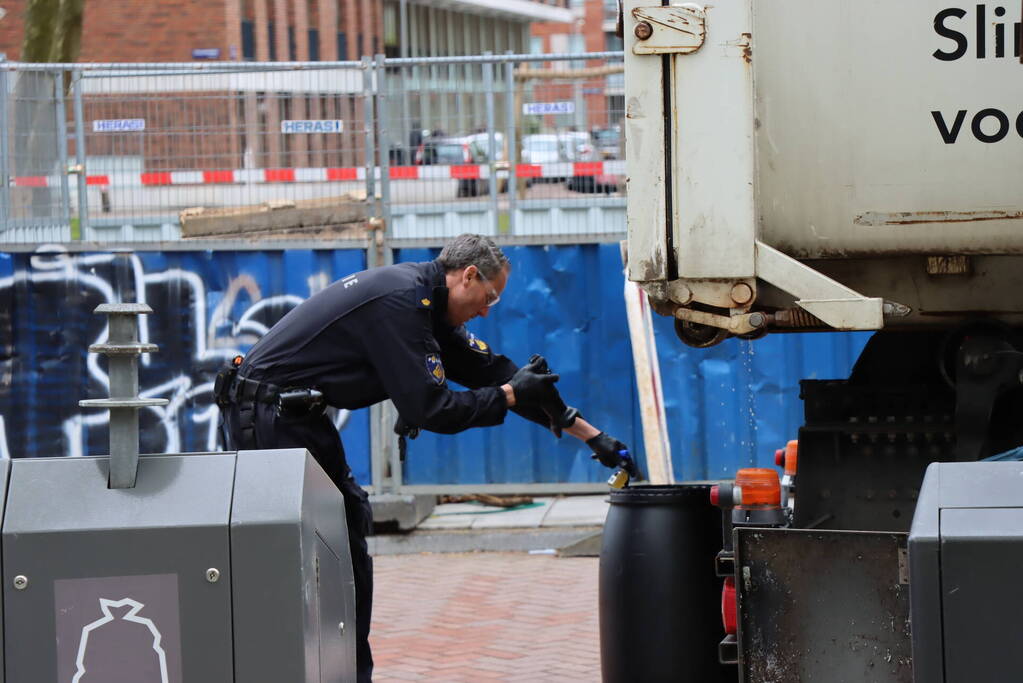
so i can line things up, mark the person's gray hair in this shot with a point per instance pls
(474, 250)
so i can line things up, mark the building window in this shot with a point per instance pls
(248, 41)
(314, 45)
(342, 45)
(392, 41)
(577, 45)
(536, 45)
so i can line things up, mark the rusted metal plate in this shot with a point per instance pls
(669, 30)
(877, 218)
(822, 606)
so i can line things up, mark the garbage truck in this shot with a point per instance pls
(830, 165)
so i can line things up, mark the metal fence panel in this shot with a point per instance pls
(162, 138)
(521, 146)
(33, 127)
(505, 146)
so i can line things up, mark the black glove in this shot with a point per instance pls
(560, 415)
(613, 453)
(404, 431)
(403, 428)
(532, 385)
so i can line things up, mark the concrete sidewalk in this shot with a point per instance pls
(559, 511)
(485, 617)
(547, 524)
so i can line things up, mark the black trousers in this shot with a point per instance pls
(251, 425)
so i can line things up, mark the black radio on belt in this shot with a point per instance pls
(299, 401)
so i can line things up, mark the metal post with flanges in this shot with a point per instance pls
(123, 349)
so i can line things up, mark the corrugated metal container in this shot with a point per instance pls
(728, 406)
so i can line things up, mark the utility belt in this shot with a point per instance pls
(230, 387)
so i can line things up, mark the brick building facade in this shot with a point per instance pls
(592, 29)
(239, 125)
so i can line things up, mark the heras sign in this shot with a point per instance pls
(322, 126)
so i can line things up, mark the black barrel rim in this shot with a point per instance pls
(661, 494)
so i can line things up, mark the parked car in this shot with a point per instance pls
(479, 143)
(544, 148)
(443, 152)
(578, 145)
(608, 142)
(601, 182)
(458, 151)
(548, 148)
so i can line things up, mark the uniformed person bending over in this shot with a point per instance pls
(391, 332)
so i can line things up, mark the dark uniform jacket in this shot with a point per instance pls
(380, 334)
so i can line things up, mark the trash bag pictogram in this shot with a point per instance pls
(121, 647)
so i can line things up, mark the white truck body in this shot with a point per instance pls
(831, 153)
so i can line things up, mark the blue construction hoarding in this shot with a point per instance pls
(727, 406)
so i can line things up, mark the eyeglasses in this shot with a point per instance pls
(492, 296)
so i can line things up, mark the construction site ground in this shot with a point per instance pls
(524, 609)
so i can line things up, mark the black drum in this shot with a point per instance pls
(660, 600)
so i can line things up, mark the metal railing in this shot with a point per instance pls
(523, 147)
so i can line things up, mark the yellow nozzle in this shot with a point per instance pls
(619, 479)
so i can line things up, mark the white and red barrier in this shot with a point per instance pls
(323, 175)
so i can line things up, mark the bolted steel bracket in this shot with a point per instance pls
(669, 30)
(738, 323)
(123, 349)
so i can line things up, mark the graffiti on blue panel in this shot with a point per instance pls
(207, 308)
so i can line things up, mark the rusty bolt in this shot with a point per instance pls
(644, 30)
(742, 293)
(684, 295)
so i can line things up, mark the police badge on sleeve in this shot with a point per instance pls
(435, 367)
(477, 344)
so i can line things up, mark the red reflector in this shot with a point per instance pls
(715, 494)
(779, 457)
(729, 613)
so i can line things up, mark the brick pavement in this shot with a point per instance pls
(485, 617)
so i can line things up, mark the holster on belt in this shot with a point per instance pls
(223, 384)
